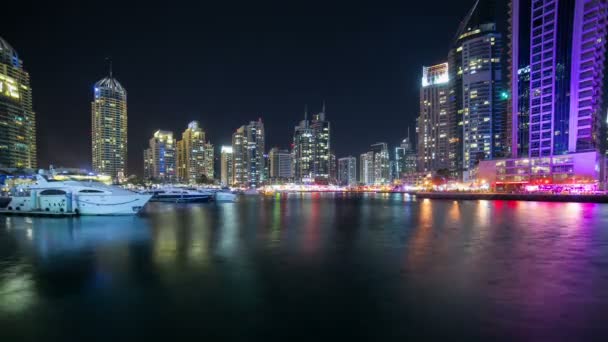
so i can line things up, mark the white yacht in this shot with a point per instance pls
(77, 197)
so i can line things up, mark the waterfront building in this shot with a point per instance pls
(433, 123)
(248, 149)
(160, 157)
(17, 117)
(109, 128)
(311, 149)
(347, 171)
(381, 164)
(333, 169)
(194, 155)
(279, 165)
(227, 166)
(478, 95)
(559, 47)
(366, 168)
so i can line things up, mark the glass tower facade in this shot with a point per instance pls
(160, 157)
(109, 128)
(17, 117)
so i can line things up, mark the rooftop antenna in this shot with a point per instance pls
(305, 112)
(109, 60)
(323, 110)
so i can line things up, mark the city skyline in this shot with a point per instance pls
(384, 88)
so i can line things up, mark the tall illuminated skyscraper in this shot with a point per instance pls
(366, 168)
(248, 143)
(477, 90)
(280, 164)
(160, 157)
(17, 117)
(227, 166)
(194, 155)
(563, 45)
(381, 163)
(311, 149)
(109, 128)
(347, 171)
(433, 122)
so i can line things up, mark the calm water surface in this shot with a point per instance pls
(364, 267)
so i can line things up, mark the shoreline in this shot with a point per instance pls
(513, 197)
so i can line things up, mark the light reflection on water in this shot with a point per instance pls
(365, 265)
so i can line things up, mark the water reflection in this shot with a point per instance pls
(530, 270)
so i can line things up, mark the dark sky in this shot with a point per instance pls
(225, 63)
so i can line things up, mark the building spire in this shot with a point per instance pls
(323, 109)
(109, 60)
(305, 112)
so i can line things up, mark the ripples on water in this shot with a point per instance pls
(372, 267)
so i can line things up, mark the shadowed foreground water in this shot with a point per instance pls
(366, 267)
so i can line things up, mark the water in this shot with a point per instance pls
(341, 267)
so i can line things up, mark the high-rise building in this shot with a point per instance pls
(366, 168)
(333, 169)
(433, 123)
(405, 158)
(248, 148)
(347, 171)
(311, 149)
(17, 117)
(557, 59)
(227, 166)
(279, 164)
(160, 157)
(381, 163)
(194, 155)
(562, 42)
(109, 128)
(477, 96)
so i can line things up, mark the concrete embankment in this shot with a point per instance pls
(514, 197)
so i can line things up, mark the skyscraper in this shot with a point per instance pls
(381, 164)
(280, 164)
(248, 148)
(557, 59)
(405, 158)
(433, 122)
(347, 171)
(109, 128)
(17, 117)
(477, 92)
(366, 168)
(160, 157)
(311, 149)
(227, 166)
(566, 41)
(194, 155)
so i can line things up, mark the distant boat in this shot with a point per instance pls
(180, 195)
(225, 196)
(251, 192)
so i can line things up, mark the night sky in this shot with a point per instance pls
(226, 64)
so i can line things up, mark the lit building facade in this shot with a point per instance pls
(17, 117)
(381, 164)
(562, 44)
(160, 157)
(194, 155)
(406, 158)
(109, 128)
(279, 165)
(311, 149)
(227, 166)
(433, 123)
(248, 143)
(347, 171)
(366, 168)
(478, 94)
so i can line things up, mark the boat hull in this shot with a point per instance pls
(181, 199)
(111, 205)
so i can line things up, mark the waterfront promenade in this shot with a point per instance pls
(514, 197)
